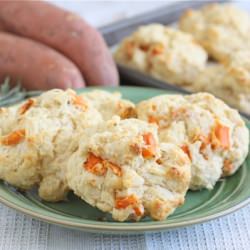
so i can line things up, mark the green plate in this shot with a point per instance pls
(228, 195)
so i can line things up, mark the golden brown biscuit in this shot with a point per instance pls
(230, 82)
(45, 133)
(124, 170)
(221, 29)
(213, 135)
(163, 52)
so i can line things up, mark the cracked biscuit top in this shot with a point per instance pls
(125, 171)
(213, 135)
(163, 52)
(221, 28)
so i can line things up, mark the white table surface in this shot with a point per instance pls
(18, 231)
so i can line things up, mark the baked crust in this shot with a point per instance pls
(124, 170)
(161, 51)
(212, 134)
(222, 29)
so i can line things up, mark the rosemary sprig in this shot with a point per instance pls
(10, 96)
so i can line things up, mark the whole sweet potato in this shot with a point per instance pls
(36, 65)
(64, 31)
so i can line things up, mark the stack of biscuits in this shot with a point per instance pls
(208, 52)
(130, 160)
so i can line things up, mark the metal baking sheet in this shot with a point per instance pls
(114, 33)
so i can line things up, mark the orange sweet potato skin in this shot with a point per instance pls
(36, 65)
(66, 33)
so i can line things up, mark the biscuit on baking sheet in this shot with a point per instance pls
(110, 104)
(230, 82)
(163, 52)
(125, 171)
(45, 134)
(221, 29)
(213, 135)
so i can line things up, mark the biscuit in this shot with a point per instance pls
(72, 116)
(19, 158)
(213, 135)
(45, 134)
(124, 170)
(162, 52)
(221, 29)
(230, 82)
(235, 155)
(110, 104)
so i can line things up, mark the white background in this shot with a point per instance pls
(100, 13)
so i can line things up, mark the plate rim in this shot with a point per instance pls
(119, 229)
(116, 229)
